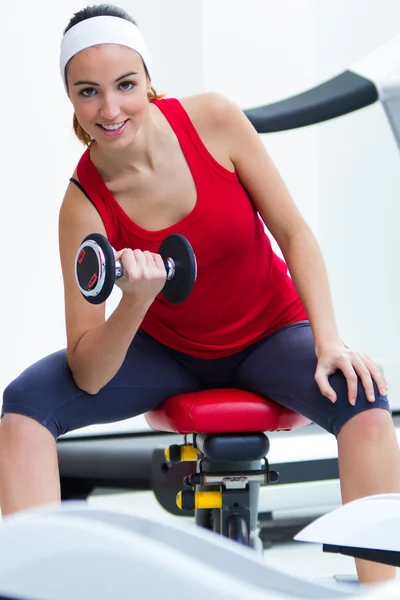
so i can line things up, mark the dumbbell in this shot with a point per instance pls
(96, 268)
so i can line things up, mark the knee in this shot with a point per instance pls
(16, 425)
(18, 432)
(371, 424)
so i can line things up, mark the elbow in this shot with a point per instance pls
(83, 381)
(91, 390)
(85, 385)
(290, 243)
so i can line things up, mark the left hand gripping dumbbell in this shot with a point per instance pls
(96, 268)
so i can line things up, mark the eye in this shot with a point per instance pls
(88, 92)
(127, 86)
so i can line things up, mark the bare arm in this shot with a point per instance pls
(96, 348)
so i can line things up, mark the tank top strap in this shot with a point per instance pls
(92, 185)
(195, 151)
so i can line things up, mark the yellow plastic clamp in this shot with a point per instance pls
(187, 453)
(203, 500)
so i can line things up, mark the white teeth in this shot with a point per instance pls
(112, 127)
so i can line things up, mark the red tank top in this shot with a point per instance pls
(243, 291)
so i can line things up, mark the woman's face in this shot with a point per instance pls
(108, 87)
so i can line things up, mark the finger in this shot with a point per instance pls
(352, 380)
(376, 374)
(149, 257)
(125, 256)
(365, 377)
(321, 377)
(129, 263)
(159, 262)
(140, 258)
(118, 253)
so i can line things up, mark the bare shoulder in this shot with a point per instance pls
(73, 195)
(210, 111)
(77, 210)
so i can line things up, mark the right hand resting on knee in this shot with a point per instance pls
(144, 274)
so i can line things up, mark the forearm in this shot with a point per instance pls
(307, 269)
(101, 352)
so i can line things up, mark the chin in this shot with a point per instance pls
(118, 142)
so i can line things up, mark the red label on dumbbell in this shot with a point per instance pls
(92, 281)
(81, 256)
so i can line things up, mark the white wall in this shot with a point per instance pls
(256, 52)
(38, 157)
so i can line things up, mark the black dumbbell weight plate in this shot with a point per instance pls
(95, 268)
(178, 248)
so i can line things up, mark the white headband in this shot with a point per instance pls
(102, 30)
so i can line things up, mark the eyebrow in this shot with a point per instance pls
(81, 82)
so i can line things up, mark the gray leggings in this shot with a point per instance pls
(280, 367)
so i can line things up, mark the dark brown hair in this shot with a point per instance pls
(101, 10)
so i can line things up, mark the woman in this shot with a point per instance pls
(157, 166)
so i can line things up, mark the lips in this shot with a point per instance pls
(112, 128)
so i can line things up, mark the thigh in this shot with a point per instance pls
(282, 368)
(47, 392)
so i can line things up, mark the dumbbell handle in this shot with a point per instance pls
(168, 263)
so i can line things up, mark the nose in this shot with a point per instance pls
(109, 107)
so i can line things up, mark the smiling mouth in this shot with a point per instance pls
(112, 127)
